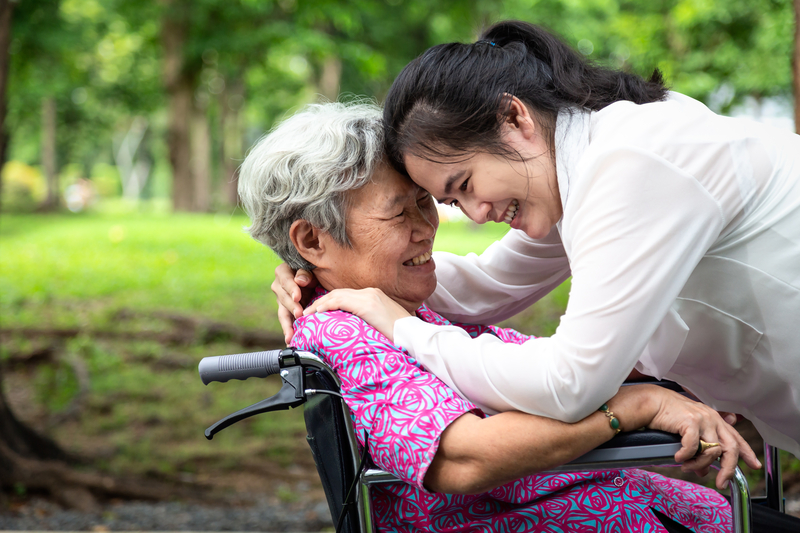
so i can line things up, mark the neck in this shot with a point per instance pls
(328, 285)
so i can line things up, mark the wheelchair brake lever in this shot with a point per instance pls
(291, 395)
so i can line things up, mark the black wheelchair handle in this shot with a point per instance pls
(239, 366)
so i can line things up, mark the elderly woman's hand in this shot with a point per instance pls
(291, 289)
(371, 305)
(694, 421)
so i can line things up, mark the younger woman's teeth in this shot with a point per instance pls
(419, 260)
(511, 212)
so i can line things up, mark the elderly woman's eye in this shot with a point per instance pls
(463, 186)
(453, 203)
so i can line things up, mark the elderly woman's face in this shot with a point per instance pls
(391, 224)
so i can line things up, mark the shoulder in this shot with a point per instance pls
(624, 116)
(335, 332)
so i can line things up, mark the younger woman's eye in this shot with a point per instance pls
(463, 186)
(453, 203)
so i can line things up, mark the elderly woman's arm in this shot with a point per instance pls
(478, 454)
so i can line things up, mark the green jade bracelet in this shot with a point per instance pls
(612, 420)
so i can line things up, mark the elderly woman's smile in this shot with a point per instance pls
(391, 224)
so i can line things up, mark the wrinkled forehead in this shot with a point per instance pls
(387, 191)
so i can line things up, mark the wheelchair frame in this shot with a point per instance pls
(308, 381)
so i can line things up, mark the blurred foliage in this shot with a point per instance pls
(23, 187)
(103, 61)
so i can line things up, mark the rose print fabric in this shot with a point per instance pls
(405, 410)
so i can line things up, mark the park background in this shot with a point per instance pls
(122, 255)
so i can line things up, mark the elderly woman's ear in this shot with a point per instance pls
(309, 241)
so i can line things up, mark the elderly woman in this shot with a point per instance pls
(320, 194)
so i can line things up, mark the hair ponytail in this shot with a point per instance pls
(449, 100)
(575, 79)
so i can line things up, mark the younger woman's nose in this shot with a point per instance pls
(424, 226)
(478, 212)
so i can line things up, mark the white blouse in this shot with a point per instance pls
(681, 231)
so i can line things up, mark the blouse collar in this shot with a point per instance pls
(571, 138)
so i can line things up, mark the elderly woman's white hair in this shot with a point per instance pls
(304, 168)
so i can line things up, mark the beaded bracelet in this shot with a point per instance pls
(612, 420)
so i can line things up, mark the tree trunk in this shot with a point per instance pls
(16, 439)
(6, 12)
(32, 461)
(49, 164)
(19, 443)
(201, 160)
(232, 146)
(796, 66)
(20, 439)
(180, 88)
(330, 78)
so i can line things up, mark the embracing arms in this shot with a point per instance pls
(634, 232)
(423, 432)
(477, 454)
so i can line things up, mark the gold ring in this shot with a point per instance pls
(703, 446)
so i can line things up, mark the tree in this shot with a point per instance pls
(99, 76)
(796, 66)
(6, 13)
(46, 46)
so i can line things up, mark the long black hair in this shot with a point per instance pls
(451, 100)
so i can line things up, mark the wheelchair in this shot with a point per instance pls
(347, 475)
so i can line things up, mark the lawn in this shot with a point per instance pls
(104, 318)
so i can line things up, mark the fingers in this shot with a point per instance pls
(690, 438)
(303, 278)
(730, 418)
(319, 305)
(727, 463)
(287, 321)
(336, 299)
(287, 292)
(695, 421)
(747, 453)
(701, 462)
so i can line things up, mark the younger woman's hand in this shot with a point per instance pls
(371, 305)
(291, 290)
(695, 421)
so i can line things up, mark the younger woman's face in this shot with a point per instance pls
(520, 192)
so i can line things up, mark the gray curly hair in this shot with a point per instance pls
(303, 170)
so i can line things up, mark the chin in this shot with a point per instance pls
(421, 292)
(536, 232)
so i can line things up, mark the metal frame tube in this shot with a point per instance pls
(363, 503)
(740, 503)
(773, 478)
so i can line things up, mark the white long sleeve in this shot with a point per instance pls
(509, 276)
(634, 227)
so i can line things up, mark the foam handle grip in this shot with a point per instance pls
(239, 366)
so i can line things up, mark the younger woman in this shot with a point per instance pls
(680, 229)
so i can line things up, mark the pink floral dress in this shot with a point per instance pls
(405, 410)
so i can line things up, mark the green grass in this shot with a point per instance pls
(201, 264)
(145, 408)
